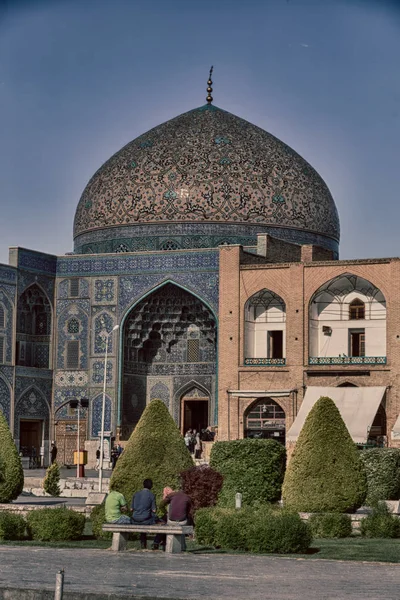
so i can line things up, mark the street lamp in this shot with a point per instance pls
(78, 404)
(105, 335)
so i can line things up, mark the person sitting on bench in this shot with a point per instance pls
(144, 509)
(115, 506)
(178, 511)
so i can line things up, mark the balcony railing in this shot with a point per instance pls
(347, 360)
(265, 362)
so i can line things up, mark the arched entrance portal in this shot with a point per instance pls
(169, 340)
(194, 410)
(265, 419)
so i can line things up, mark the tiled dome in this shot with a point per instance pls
(204, 178)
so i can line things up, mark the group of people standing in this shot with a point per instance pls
(115, 454)
(193, 442)
(144, 511)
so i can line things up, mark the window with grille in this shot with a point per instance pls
(357, 310)
(74, 287)
(72, 355)
(73, 326)
(2, 317)
(193, 350)
(1, 350)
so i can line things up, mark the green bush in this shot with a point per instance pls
(12, 526)
(325, 472)
(52, 479)
(55, 524)
(380, 523)
(382, 466)
(330, 525)
(255, 468)
(12, 475)
(155, 450)
(98, 519)
(254, 530)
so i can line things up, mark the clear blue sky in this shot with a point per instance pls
(81, 78)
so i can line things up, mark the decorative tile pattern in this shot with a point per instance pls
(6, 300)
(32, 405)
(160, 391)
(98, 372)
(47, 283)
(77, 311)
(104, 291)
(71, 378)
(347, 360)
(103, 322)
(8, 374)
(64, 289)
(255, 178)
(97, 407)
(37, 261)
(5, 399)
(8, 274)
(63, 395)
(273, 362)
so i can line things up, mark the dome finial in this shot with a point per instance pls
(209, 88)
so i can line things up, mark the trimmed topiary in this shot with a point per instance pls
(52, 480)
(11, 473)
(12, 526)
(330, 525)
(55, 524)
(255, 468)
(325, 473)
(380, 523)
(155, 450)
(382, 466)
(202, 484)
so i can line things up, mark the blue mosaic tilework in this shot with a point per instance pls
(8, 274)
(23, 383)
(70, 415)
(98, 372)
(160, 391)
(96, 406)
(5, 399)
(139, 263)
(102, 322)
(7, 301)
(77, 311)
(204, 285)
(37, 261)
(63, 395)
(64, 289)
(8, 374)
(104, 290)
(26, 278)
(70, 378)
(32, 404)
(33, 373)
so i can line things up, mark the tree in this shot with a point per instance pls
(52, 479)
(12, 475)
(155, 450)
(325, 473)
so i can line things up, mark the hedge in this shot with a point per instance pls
(11, 473)
(12, 526)
(330, 525)
(155, 450)
(255, 468)
(325, 473)
(52, 480)
(55, 524)
(380, 523)
(97, 519)
(202, 484)
(254, 530)
(382, 466)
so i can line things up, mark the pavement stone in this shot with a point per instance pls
(196, 576)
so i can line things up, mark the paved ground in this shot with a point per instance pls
(193, 576)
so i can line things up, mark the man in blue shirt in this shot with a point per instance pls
(144, 509)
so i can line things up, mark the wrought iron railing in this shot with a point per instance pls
(265, 362)
(347, 360)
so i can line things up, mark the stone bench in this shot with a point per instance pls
(173, 532)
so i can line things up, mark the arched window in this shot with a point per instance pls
(265, 419)
(73, 326)
(357, 309)
(2, 317)
(265, 316)
(33, 329)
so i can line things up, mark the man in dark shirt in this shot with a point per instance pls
(179, 509)
(144, 509)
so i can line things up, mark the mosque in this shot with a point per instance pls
(205, 273)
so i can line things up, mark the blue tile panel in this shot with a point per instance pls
(347, 360)
(97, 405)
(5, 398)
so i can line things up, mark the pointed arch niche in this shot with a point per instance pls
(168, 338)
(33, 328)
(265, 419)
(347, 322)
(265, 329)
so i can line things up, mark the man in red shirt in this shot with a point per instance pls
(178, 511)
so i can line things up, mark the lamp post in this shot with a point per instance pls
(106, 336)
(78, 404)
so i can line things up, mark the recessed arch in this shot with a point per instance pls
(34, 326)
(265, 329)
(265, 418)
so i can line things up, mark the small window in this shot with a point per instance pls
(2, 317)
(357, 342)
(275, 344)
(72, 355)
(73, 326)
(357, 310)
(1, 350)
(193, 350)
(74, 288)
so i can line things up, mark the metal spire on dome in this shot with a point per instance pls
(209, 88)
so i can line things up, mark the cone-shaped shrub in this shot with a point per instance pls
(52, 480)
(155, 450)
(325, 473)
(12, 475)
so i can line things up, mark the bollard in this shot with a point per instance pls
(238, 500)
(59, 585)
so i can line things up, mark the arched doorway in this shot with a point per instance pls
(265, 419)
(169, 339)
(194, 410)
